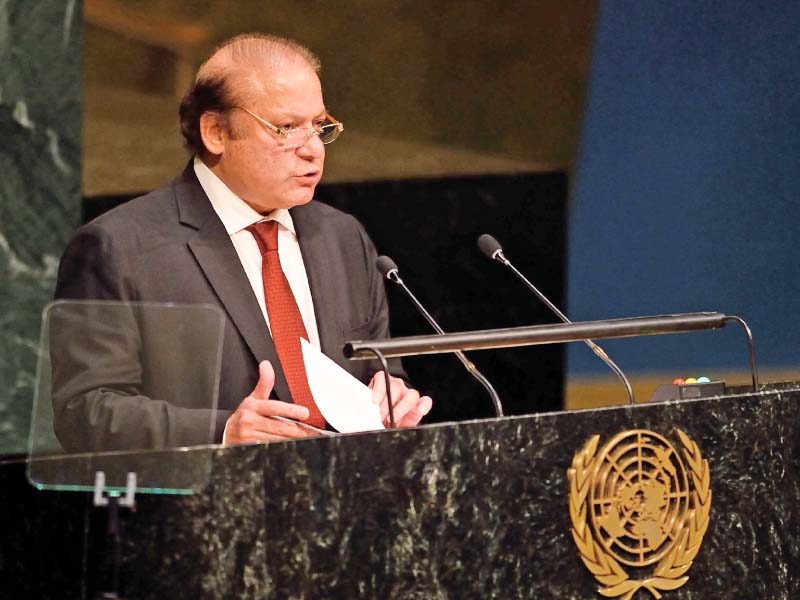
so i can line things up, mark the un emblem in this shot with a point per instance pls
(639, 502)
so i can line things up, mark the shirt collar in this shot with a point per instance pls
(234, 212)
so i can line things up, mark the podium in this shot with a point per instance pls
(477, 509)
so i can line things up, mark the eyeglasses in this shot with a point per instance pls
(298, 136)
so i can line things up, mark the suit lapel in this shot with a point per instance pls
(316, 258)
(217, 258)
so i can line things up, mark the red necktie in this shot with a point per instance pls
(284, 319)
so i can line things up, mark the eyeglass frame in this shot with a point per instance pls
(310, 131)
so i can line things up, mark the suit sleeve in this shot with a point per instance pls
(101, 389)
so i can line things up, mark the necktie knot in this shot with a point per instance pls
(266, 234)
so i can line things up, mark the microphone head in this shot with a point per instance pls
(386, 266)
(489, 246)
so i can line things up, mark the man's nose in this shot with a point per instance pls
(312, 148)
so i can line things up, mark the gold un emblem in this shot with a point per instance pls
(635, 504)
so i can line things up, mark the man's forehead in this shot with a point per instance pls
(286, 77)
(286, 90)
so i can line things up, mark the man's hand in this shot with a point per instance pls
(409, 407)
(253, 420)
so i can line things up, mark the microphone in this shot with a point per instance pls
(492, 248)
(389, 270)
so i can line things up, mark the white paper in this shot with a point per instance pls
(343, 400)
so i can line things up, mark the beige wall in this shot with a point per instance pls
(424, 88)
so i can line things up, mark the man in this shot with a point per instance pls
(257, 124)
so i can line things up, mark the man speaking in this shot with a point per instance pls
(237, 229)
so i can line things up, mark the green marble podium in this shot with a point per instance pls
(475, 509)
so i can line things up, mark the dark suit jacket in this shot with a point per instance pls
(170, 246)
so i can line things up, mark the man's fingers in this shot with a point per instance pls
(427, 403)
(397, 387)
(266, 381)
(403, 403)
(253, 419)
(256, 420)
(268, 427)
(378, 387)
(276, 408)
(414, 416)
(251, 427)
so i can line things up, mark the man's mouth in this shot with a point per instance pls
(309, 176)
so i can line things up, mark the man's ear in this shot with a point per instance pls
(213, 130)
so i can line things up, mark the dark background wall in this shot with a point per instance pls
(430, 227)
(688, 180)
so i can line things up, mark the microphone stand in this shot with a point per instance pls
(385, 366)
(599, 352)
(394, 276)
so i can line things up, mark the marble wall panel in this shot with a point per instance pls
(40, 125)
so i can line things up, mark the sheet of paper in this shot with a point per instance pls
(343, 400)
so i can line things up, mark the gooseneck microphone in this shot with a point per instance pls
(492, 248)
(389, 270)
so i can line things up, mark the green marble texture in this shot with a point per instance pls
(40, 124)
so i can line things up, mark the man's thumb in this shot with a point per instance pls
(266, 380)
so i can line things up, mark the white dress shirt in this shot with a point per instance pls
(236, 215)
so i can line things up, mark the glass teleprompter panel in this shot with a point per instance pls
(126, 387)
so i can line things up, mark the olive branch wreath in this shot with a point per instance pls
(670, 571)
